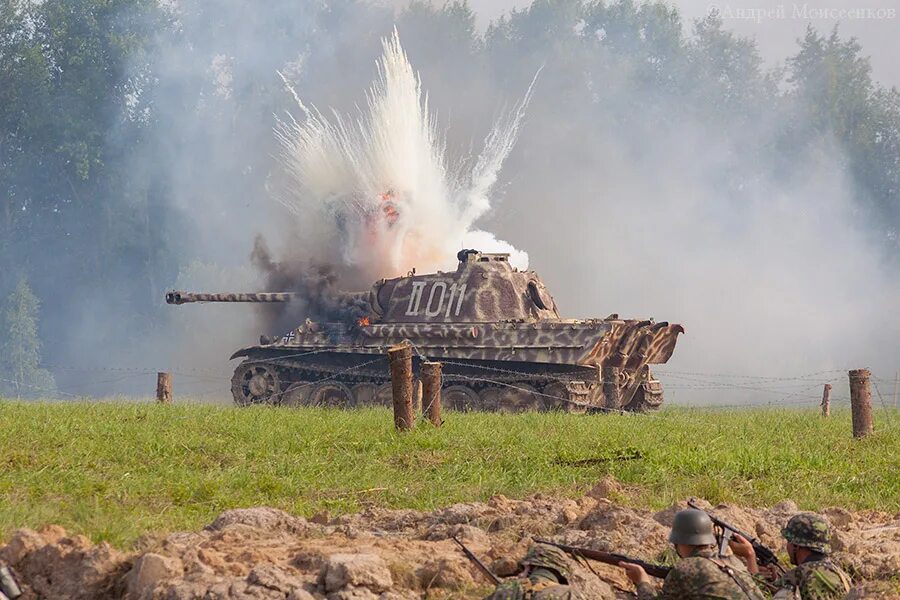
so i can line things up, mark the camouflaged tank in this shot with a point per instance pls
(496, 330)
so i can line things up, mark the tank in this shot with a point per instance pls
(497, 331)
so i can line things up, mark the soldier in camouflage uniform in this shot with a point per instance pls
(701, 574)
(815, 577)
(544, 574)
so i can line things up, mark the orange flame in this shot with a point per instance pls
(391, 214)
(364, 322)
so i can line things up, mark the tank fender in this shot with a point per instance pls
(241, 352)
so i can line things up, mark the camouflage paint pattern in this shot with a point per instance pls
(547, 572)
(548, 557)
(814, 580)
(485, 310)
(177, 297)
(485, 314)
(531, 589)
(810, 531)
(704, 576)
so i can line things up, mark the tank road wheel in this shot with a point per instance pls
(255, 383)
(364, 394)
(461, 398)
(385, 395)
(555, 396)
(331, 394)
(520, 398)
(489, 399)
(297, 394)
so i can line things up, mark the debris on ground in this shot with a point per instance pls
(379, 554)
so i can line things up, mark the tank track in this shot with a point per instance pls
(286, 382)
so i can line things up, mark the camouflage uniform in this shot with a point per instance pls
(704, 576)
(545, 577)
(817, 578)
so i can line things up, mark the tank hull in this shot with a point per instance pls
(580, 366)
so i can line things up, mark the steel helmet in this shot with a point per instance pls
(548, 557)
(810, 531)
(692, 527)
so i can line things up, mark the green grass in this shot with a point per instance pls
(116, 471)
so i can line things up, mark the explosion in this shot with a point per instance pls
(380, 188)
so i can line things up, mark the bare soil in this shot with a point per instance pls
(264, 553)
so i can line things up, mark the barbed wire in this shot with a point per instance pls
(770, 385)
(886, 412)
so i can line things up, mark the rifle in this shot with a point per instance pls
(481, 566)
(764, 554)
(610, 558)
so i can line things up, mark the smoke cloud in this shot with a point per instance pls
(627, 198)
(381, 191)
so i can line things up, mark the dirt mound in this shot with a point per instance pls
(263, 553)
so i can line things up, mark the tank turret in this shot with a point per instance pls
(497, 330)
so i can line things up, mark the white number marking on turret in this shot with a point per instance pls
(459, 299)
(430, 311)
(437, 298)
(415, 298)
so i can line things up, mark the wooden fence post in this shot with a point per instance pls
(861, 402)
(826, 400)
(400, 357)
(431, 391)
(164, 388)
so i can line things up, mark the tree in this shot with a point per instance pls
(20, 347)
(836, 97)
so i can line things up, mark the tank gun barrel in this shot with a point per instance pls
(176, 297)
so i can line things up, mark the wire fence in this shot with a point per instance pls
(754, 390)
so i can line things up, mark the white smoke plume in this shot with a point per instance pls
(383, 185)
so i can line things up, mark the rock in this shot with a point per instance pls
(445, 573)
(595, 588)
(665, 517)
(149, 570)
(23, 542)
(269, 519)
(505, 567)
(71, 568)
(839, 517)
(603, 488)
(458, 514)
(838, 541)
(567, 516)
(353, 593)
(471, 536)
(274, 578)
(300, 594)
(788, 507)
(397, 595)
(501, 502)
(356, 570)
(321, 518)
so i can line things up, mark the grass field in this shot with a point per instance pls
(115, 471)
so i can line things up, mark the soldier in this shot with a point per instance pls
(815, 576)
(543, 574)
(701, 574)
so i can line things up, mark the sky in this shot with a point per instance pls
(777, 24)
